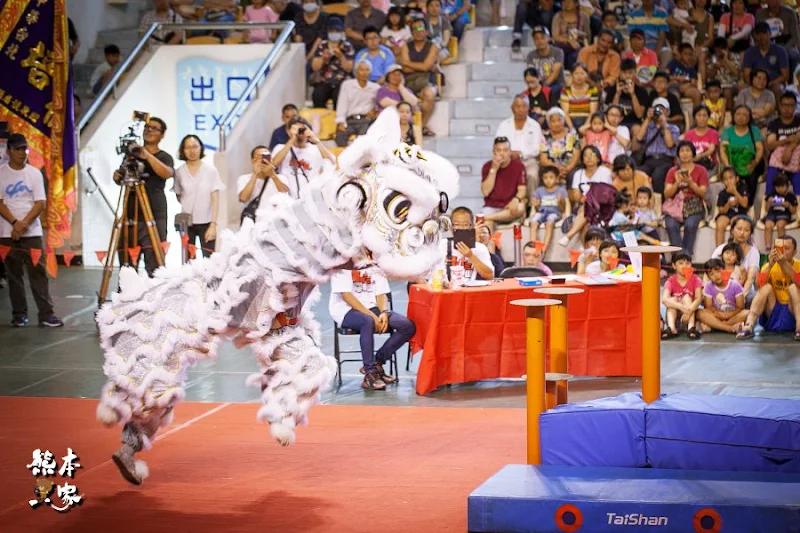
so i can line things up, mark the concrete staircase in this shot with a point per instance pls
(125, 39)
(476, 98)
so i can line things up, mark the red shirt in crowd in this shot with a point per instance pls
(505, 183)
(699, 175)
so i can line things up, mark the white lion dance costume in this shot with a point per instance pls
(385, 205)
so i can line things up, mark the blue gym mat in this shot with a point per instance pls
(545, 499)
(604, 432)
(691, 431)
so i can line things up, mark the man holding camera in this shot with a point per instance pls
(465, 245)
(156, 167)
(658, 138)
(625, 93)
(262, 182)
(300, 159)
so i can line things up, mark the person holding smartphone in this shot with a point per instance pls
(464, 247)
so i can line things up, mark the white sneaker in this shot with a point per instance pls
(665, 243)
(564, 241)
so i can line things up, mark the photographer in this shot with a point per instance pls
(156, 168)
(263, 182)
(625, 93)
(300, 159)
(657, 139)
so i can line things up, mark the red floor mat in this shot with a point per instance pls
(353, 469)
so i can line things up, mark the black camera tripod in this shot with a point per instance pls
(125, 226)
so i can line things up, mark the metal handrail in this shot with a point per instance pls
(261, 73)
(111, 86)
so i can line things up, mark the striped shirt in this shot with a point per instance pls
(651, 25)
(579, 106)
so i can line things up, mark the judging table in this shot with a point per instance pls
(474, 334)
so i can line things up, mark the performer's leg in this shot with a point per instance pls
(295, 373)
(138, 435)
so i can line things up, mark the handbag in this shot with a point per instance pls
(674, 207)
(693, 206)
(250, 209)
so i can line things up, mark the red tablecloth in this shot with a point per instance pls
(474, 333)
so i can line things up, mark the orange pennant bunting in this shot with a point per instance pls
(539, 246)
(687, 272)
(192, 249)
(762, 278)
(36, 255)
(4, 251)
(133, 251)
(574, 255)
(726, 275)
(184, 239)
(613, 262)
(68, 256)
(165, 247)
(51, 264)
(797, 279)
(101, 255)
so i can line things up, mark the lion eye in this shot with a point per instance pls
(444, 203)
(397, 207)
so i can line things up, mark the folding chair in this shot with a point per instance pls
(344, 332)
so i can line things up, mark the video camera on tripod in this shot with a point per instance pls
(130, 144)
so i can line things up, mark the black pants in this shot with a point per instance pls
(752, 181)
(198, 232)
(17, 261)
(657, 167)
(141, 236)
(355, 127)
(327, 90)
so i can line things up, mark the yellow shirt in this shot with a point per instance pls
(717, 112)
(780, 285)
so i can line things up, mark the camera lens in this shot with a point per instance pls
(301, 130)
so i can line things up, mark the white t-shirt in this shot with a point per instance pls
(480, 251)
(601, 175)
(365, 285)
(19, 190)
(310, 160)
(594, 268)
(241, 183)
(615, 148)
(195, 191)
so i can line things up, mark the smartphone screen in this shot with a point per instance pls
(467, 236)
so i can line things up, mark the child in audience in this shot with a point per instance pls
(731, 202)
(715, 104)
(624, 220)
(591, 248)
(682, 295)
(683, 73)
(723, 300)
(644, 215)
(732, 257)
(548, 202)
(395, 32)
(609, 255)
(681, 28)
(782, 208)
(259, 11)
(596, 134)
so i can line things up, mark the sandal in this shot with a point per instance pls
(373, 381)
(797, 335)
(427, 132)
(668, 334)
(745, 333)
(693, 334)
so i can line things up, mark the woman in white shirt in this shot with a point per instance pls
(591, 171)
(197, 185)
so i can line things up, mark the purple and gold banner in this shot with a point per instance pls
(36, 100)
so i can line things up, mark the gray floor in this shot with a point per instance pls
(67, 362)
